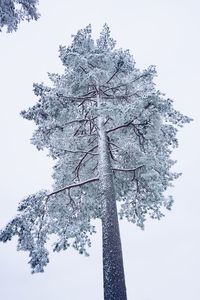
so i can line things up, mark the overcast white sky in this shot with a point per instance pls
(162, 262)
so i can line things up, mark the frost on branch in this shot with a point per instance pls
(140, 128)
(12, 12)
(39, 216)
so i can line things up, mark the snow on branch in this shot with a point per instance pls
(81, 98)
(121, 97)
(126, 125)
(79, 121)
(80, 151)
(73, 186)
(127, 170)
(119, 127)
(77, 169)
(119, 65)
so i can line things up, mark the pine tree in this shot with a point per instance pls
(12, 12)
(111, 133)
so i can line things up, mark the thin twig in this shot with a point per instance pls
(113, 75)
(113, 144)
(80, 162)
(83, 69)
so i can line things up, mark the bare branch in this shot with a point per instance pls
(73, 186)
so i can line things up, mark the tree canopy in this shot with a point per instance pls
(140, 124)
(12, 12)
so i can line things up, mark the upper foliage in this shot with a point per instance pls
(141, 128)
(12, 12)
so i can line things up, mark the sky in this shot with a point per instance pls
(161, 262)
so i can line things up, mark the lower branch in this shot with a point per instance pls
(73, 186)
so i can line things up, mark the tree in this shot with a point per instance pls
(111, 133)
(12, 12)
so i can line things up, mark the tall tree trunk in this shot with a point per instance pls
(113, 270)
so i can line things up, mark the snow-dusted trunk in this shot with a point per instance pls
(113, 270)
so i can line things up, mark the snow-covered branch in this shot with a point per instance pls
(119, 127)
(127, 125)
(77, 169)
(78, 98)
(121, 97)
(79, 121)
(80, 151)
(127, 170)
(115, 73)
(119, 65)
(12, 12)
(78, 184)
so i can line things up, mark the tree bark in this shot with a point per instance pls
(113, 270)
